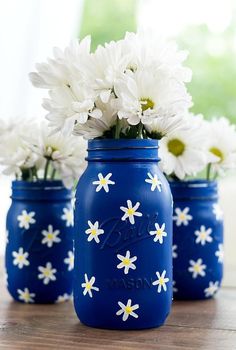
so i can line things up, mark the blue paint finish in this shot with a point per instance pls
(128, 162)
(46, 199)
(201, 197)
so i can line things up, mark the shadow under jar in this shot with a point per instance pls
(123, 237)
(39, 250)
(197, 239)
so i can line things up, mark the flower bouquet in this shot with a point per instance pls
(122, 98)
(39, 251)
(208, 148)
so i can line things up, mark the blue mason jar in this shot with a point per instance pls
(123, 237)
(197, 239)
(39, 250)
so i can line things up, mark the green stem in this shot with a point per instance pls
(208, 174)
(46, 169)
(118, 128)
(53, 174)
(140, 130)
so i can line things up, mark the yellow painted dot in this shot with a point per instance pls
(159, 232)
(130, 211)
(103, 181)
(203, 235)
(27, 218)
(128, 309)
(182, 216)
(47, 273)
(50, 236)
(93, 232)
(126, 261)
(88, 286)
(161, 281)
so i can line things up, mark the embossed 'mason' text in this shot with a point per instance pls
(129, 283)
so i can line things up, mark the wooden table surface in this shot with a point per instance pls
(192, 325)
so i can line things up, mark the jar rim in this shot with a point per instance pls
(103, 144)
(194, 183)
(39, 184)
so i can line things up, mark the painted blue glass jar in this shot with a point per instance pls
(123, 237)
(39, 250)
(197, 239)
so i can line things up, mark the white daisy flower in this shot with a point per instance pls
(164, 126)
(95, 128)
(70, 260)
(130, 211)
(159, 233)
(220, 253)
(144, 96)
(127, 310)
(26, 296)
(94, 231)
(20, 258)
(183, 152)
(161, 281)
(154, 181)
(197, 268)
(26, 219)
(212, 289)
(15, 154)
(174, 251)
(47, 273)
(62, 298)
(68, 217)
(217, 211)
(182, 216)
(50, 236)
(175, 290)
(221, 137)
(126, 262)
(149, 49)
(203, 235)
(66, 154)
(103, 182)
(88, 286)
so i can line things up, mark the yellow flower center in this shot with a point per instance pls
(128, 309)
(146, 103)
(217, 152)
(47, 273)
(176, 147)
(161, 281)
(50, 236)
(93, 232)
(182, 216)
(203, 235)
(26, 296)
(196, 268)
(69, 216)
(159, 232)
(130, 211)
(88, 286)
(103, 181)
(27, 218)
(20, 257)
(126, 261)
